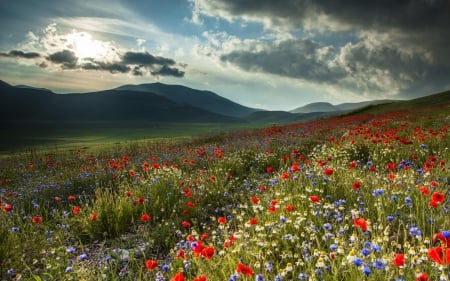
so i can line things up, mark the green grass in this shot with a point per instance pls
(277, 203)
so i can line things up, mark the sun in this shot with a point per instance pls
(84, 47)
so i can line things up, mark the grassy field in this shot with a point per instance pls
(356, 197)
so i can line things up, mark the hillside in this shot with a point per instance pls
(205, 100)
(25, 104)
(328, 107)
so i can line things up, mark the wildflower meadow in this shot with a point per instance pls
(355, 197)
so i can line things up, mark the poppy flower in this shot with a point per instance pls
(7, 208)
(285, 176)
(71, 198)
(253, 221)
(208, 253)
(399, 260)
(314, 198)
(76, 210)
(422, 276)
(269, 170)
(438, 197)
(356, 185)
(424, 190)
(151, 264)
(289, 208)
(185, 224)
(132, 173)
(440, 255)
(145, 218)
(37, 220)
(361, 223)
(255, 200)
(244, 269)
(444, 237)
(200, 278)
(328, 172)
(222, 220)
(94, 217)
(178, 277)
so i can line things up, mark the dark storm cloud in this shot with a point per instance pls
(20, 54)
(399, 46)
(303, 59)
(144, 58)
(136, 63)
(66, 58)
(168, 71)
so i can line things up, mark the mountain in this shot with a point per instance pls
(328, 107)
(201, 99)
(28, 104)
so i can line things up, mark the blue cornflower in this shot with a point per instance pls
(423, 146)
(378, 192)
(333, 247)
(10, 272)
(15, 229)
(71, 250)
(269, 266)
(283, 219)
(68, 269)
(259, 277)
(446, 234)
(165, 267)
(365, 252)
(357, 262)
(278, 278)
(83, 257)
(366, 271)
(390, 218)
(327, 226)
(415, 231)
(302, 276)
(379, 264)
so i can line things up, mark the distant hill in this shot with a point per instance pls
(201, 99)
(27, 104)
(328, 107)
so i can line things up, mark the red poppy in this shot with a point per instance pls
(440, 255)
(140, 200)
(444, 237)
(422, 276)
(37, 220)
(208, 253)
(361, 223)
(353, 164)
(145, 218)
(200, 278)
(76, 210)
(151, 264)
(190, 204)
(438, 197)
(132, 173)
(128, 193)
(328, 171)
(58, 199)
(178, 277)
(185, 224)
(356, 185)
(93, 217)
(314, 198)
(269, 170)
(399, 260)
(71, 198)
(255, 200)
(424, 190)
(289, 208)
(222, 220)
(271, 209)
(181, 254)
(253, 221)
(7, 208)
(243, 269)
(285, 176)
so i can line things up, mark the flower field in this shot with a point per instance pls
(357, 197)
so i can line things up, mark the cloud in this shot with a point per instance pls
(302, 59)
(388, 48)
(168, 71)
(65, 57)
(80, 51)
(144, 58)
(20, 54)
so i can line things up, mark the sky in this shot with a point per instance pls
(268, 54)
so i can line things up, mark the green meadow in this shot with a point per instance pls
(357, 197)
